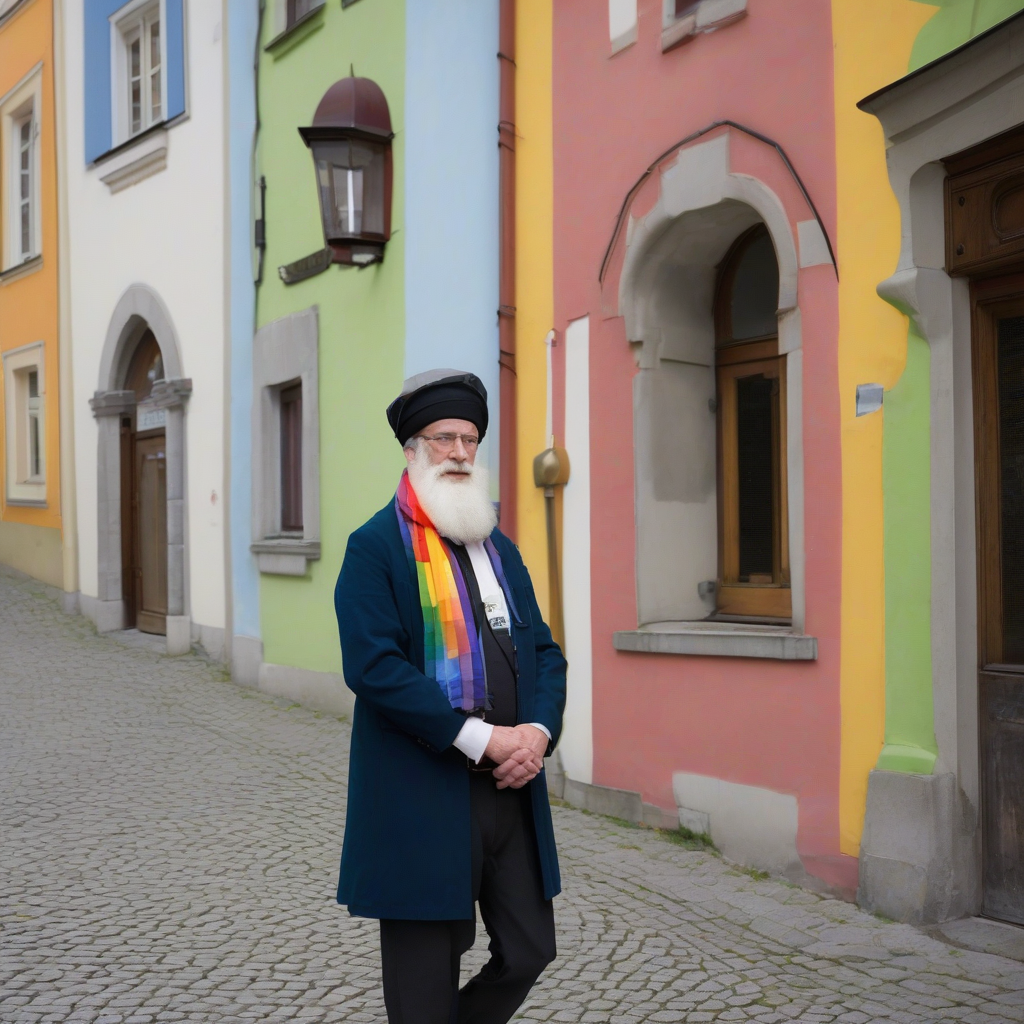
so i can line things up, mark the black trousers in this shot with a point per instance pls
(420, 959)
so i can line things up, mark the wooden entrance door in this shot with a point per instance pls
(998, 352)
(144, 495)
(150, 534)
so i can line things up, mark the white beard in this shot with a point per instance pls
(460, 509)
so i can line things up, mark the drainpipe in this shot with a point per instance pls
(66, 385)
(507, 264)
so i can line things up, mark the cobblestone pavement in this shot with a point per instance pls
(169, 847)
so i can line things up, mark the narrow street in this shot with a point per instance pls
(169, 846)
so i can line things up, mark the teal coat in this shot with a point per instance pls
(407, 834)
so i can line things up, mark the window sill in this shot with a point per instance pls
(135, 160)
(23, 269)
(285, 556)
(701, 18)
(719, 639)
(11, 11)
(294, 33)
(27, 502)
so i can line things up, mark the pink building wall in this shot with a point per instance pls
(760, 722)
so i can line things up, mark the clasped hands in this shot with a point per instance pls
(518, 752)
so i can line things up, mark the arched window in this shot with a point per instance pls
(753, 527)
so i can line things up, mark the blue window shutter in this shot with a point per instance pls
(97, 98)
(175, 58)
(97, 76)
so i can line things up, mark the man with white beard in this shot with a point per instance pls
(459, 697)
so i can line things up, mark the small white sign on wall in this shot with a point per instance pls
(150, 418)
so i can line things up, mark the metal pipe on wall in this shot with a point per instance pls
(507, 265)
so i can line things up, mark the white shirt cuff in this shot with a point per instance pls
(543, 728)
(473, 738)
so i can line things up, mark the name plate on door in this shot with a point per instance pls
(149, 418)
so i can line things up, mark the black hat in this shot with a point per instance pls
(438, 395)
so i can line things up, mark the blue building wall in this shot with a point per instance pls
(243, 20)
(451, 191)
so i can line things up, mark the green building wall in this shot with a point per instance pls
(361, 311)
(955, 23)
(906, 471)
(909, 722)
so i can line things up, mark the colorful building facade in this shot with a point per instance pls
(711, 693)
(813, 706)
(347, 334)
(34, 495)
(762, 269)
(149, 223)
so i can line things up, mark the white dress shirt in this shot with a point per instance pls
(476, 733)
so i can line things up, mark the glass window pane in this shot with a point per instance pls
(35, 450)
(155, 98)
(755, 398)
(1010, 335)
(340, 179)
(135, 85)
(300, 8)
(351, 179)
(755, 291)
(291, 458)
(33, 383)
(373, 192)
(25, 186)
(154, 44)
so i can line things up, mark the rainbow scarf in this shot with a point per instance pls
(452, 648)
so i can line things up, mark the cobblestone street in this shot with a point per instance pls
(169, 846)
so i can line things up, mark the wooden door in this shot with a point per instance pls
(998, 352)
(150, 534)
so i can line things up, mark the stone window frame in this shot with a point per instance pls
(703, 208)
(16, 362)
(285, 351)
(699, 18)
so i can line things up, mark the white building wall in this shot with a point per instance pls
(166, 232)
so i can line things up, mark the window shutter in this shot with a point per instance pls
(175, 58)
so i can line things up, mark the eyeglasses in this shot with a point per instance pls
(446, 442)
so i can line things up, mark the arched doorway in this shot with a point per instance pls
(140, 323)
(144, 493)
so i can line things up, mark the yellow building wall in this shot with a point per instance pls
(29, 304)
(534, 270)
(872, 40)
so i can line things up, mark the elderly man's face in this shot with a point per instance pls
(447, 440)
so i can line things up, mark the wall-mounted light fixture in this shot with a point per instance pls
(551, 470)
(350, 139)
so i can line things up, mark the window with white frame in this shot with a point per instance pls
(139, 86)
(19, 153)
(25, 425)
(24, 158)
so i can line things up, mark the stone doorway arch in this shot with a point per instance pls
(138, 310)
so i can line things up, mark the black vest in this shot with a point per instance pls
(498, 652)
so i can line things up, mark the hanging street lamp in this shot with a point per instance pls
(350, 139)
